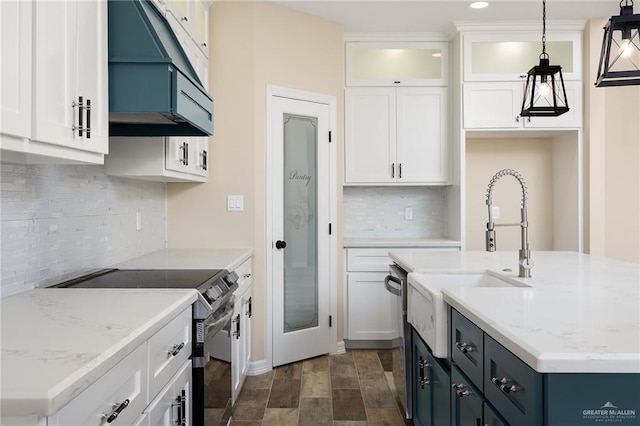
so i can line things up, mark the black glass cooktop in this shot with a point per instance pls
(147, 278)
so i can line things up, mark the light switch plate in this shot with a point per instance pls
(235, 203)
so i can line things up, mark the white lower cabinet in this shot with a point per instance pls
(163, 159)
(150, 386)
(172, 406)
(241, 330)
(117, 398)
(372, 313)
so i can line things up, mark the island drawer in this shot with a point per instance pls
(169, 349)
(514, 388)
(467, 347)
(466, 400)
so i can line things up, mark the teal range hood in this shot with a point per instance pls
(153, 88)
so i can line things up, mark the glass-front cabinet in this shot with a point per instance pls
(508, 57)
(396, 63)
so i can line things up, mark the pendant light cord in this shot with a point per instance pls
(544, 30)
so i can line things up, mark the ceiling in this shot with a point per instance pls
(429, 16)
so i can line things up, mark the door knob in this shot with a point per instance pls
(280, 244)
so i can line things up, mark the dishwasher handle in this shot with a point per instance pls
(390, 288)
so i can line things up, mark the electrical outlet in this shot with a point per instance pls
(495, 212)
(408, 213)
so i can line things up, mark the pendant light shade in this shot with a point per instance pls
(620, 53)
(544, 91)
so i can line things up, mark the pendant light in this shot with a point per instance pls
(620, 53)
(544, 92)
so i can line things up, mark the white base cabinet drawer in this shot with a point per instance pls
(127, 381)
(368, 260)
(169, 349)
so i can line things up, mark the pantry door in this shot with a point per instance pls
(300, 246)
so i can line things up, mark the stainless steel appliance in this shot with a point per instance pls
(211, 312)
(396, 284)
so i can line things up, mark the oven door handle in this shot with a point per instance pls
(390, 288)
(217, 324)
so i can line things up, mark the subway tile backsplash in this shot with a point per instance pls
(57, 222)
(379, 212)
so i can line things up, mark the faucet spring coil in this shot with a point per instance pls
(507, 172)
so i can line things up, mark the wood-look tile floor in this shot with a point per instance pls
(350, 389)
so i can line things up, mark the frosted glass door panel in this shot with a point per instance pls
(508, 57)
(392, 64)
(300, 223)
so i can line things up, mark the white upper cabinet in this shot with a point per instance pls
(71, 83)
(193, 16)
(396, 63)
(507, 57)
(497, 105)
(161, 159)
(494, 73)
(396, 135)
(15, 56)
(54, 82)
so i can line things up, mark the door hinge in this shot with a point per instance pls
(329, 135)
(330, 320)
(329, 229)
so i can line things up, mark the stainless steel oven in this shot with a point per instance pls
(212, 312)
(396, 284)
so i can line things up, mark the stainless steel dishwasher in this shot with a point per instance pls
(396, 284)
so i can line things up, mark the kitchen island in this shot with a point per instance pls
(573, 327)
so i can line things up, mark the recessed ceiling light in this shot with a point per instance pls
(478, 5)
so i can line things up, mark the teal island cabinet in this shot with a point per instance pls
(491, 386)
(559, 348)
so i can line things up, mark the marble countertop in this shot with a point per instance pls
(56, 342)
(579, 313)
(190, 258)
(391, 242)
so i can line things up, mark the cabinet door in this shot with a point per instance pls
(180, 153)
(488, 105)
(172, 405)
(15, 56)
(237, 350)
(245, 336)
(370, 133)
(93, 81)
(55, 49)
(70, 69)
(421, 135)
(371, 309)
(491, 418)
(201, 160)
(441, 392)
(422, 389)
(570, 119)
(466, 401)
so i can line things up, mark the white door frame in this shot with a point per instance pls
(283, 92)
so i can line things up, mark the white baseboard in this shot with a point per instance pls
(340, 349)
(258, 367)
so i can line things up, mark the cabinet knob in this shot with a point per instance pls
(517, 118)
(280, 244)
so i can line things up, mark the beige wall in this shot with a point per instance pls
(252, 45)
(612, 161)
(532, 158)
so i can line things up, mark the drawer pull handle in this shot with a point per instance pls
(247, 275)
(175, 350)
(460, 390)
(117, 410)
(181, 403)
(423, 380)
(504, 384)
(465, 347)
